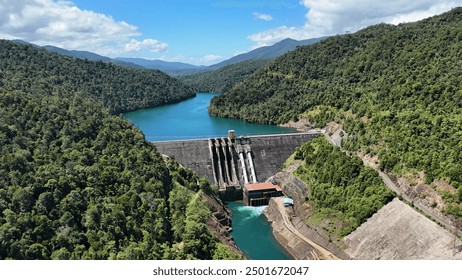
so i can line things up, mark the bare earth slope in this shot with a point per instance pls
(399, 232)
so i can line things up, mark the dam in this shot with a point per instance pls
(236, 162)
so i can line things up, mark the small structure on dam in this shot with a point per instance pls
(260, 194)
(234, 162)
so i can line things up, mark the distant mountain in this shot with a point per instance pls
(179, 68)
(165, 66)
(90, 56)
(275, 50)
(81, 54)
(172, 68)
(221, 77)
(78, 54)
(182, 69)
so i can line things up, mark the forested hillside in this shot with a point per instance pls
(342, 191)
(223, 79)
(397, 90)
(120, 89)
(79, 183)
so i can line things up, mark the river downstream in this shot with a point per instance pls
(190, 120)
(253, 234)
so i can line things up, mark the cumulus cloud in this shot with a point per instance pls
(265, 17)
(61, 23)
(147, 44)
(330, 17)
(211, 58)
(208, 59)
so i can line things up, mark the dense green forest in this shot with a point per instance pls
(397, 90)
(342, 190)
(223, 79)
(79, 183)
(120, 89)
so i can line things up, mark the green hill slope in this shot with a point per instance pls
(223, 79)
(120, 89)
(396, 89)
(79, 183)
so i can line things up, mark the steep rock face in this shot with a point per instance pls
(293, 188)
(220, 223)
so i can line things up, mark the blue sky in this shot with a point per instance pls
(200, 32)
(203, 28)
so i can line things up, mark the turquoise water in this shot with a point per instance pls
(190, 120)
(253, 233)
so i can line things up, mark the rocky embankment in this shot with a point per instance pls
(298, 239)
(312, 244)
(220, 223)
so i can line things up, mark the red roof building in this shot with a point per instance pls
(260, 193)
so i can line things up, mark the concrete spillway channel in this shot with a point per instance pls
(226, 160)
(251, 166)
(213, 156)
(231, 162)
(247, 164)
(224, 169)
(214, 153)
(240, 151)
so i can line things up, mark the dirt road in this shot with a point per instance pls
(321, 253)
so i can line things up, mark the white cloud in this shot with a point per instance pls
(265, 17)
(195, 60)
(329, 17)
(275, 35)
(147, 44)
(61, 23)
(211, 58)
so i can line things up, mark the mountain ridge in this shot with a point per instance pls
(265, 52)
(162, 65)
(181, 68)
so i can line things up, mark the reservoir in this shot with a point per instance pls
(190, 120)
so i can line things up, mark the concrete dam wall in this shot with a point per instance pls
(231, 163)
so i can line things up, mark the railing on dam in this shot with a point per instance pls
(169, 138)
